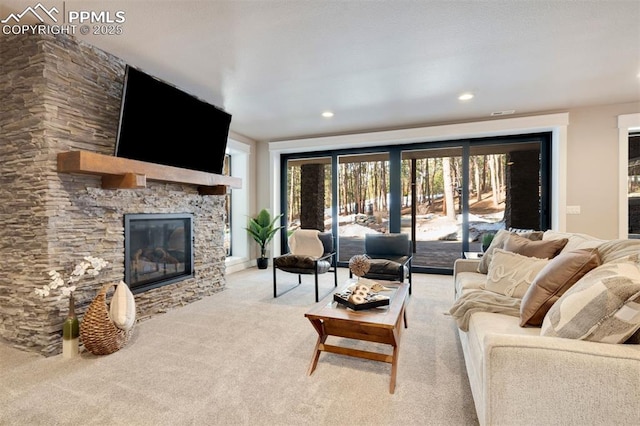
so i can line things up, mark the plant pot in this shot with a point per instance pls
(263, 262)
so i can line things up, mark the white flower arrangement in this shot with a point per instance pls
(89, 266)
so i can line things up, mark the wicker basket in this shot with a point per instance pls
(97, 332)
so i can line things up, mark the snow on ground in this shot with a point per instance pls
(355, 230)
(429, 227)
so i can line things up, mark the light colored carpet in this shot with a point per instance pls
(241, 357)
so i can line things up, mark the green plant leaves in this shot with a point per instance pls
(262, 228)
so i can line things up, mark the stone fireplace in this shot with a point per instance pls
(61, 95)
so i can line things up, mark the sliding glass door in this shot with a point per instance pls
(363, 204)
(432, 204)
(455, 194)
(445, 195)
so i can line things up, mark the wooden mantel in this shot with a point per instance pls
(123, 173)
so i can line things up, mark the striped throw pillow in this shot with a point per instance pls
(603, 306)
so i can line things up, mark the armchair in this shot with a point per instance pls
(390, 257)
(312, 253)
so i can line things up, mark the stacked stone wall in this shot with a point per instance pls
(312, 197)
(62, 95)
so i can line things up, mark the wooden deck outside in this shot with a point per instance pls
(435, 254)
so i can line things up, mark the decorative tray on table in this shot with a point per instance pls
(363, 294)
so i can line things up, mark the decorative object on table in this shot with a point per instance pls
(359, 265)
(359, 297)
(100, 334)
(262, 229)
(70, 328)
(487, 238)
(71, 331)
(377, 288)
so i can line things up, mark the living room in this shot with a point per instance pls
(567, 70)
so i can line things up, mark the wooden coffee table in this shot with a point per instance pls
(380, 325)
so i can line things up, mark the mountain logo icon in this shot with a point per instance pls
(38, 11)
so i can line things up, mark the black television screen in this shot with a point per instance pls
(162, 124)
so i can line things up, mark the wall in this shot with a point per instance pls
(60, 95)
(243, 205)
(592, 168)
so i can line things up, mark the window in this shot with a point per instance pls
(226, 170)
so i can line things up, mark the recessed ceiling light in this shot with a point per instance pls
(327, 114)
(507, 112)
(465, 96)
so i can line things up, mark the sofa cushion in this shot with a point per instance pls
(498, 242)
(576, 240)
(603, 306)
(469, 281)
(483, 323)
(540, 249)
(301, 264)
(387, 269)
(618, 249)
(553, 281)
(511, 274)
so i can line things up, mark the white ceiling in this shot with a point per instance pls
(276, 65)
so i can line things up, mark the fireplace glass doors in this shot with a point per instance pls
(158, 249)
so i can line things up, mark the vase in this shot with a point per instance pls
(262, 262)
(71, 332)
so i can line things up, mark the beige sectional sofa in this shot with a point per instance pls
(522, 376)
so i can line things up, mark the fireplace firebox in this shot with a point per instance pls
(158, 249)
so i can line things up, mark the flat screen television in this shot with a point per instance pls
(162, 124)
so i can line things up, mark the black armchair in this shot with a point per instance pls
(312, 253)
(390, 257)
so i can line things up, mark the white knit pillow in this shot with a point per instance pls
(123, 307)
(305, 242)
(511, 274)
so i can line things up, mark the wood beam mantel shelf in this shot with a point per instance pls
(123, 173)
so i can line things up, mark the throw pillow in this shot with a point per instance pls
(498, 242)
(540, 249)
(553, 281)
(511, 274)
(603, 306)
(531, 234)
(305, 242)
(123, 307)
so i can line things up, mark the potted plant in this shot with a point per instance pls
(262, 229)
(487, 238)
